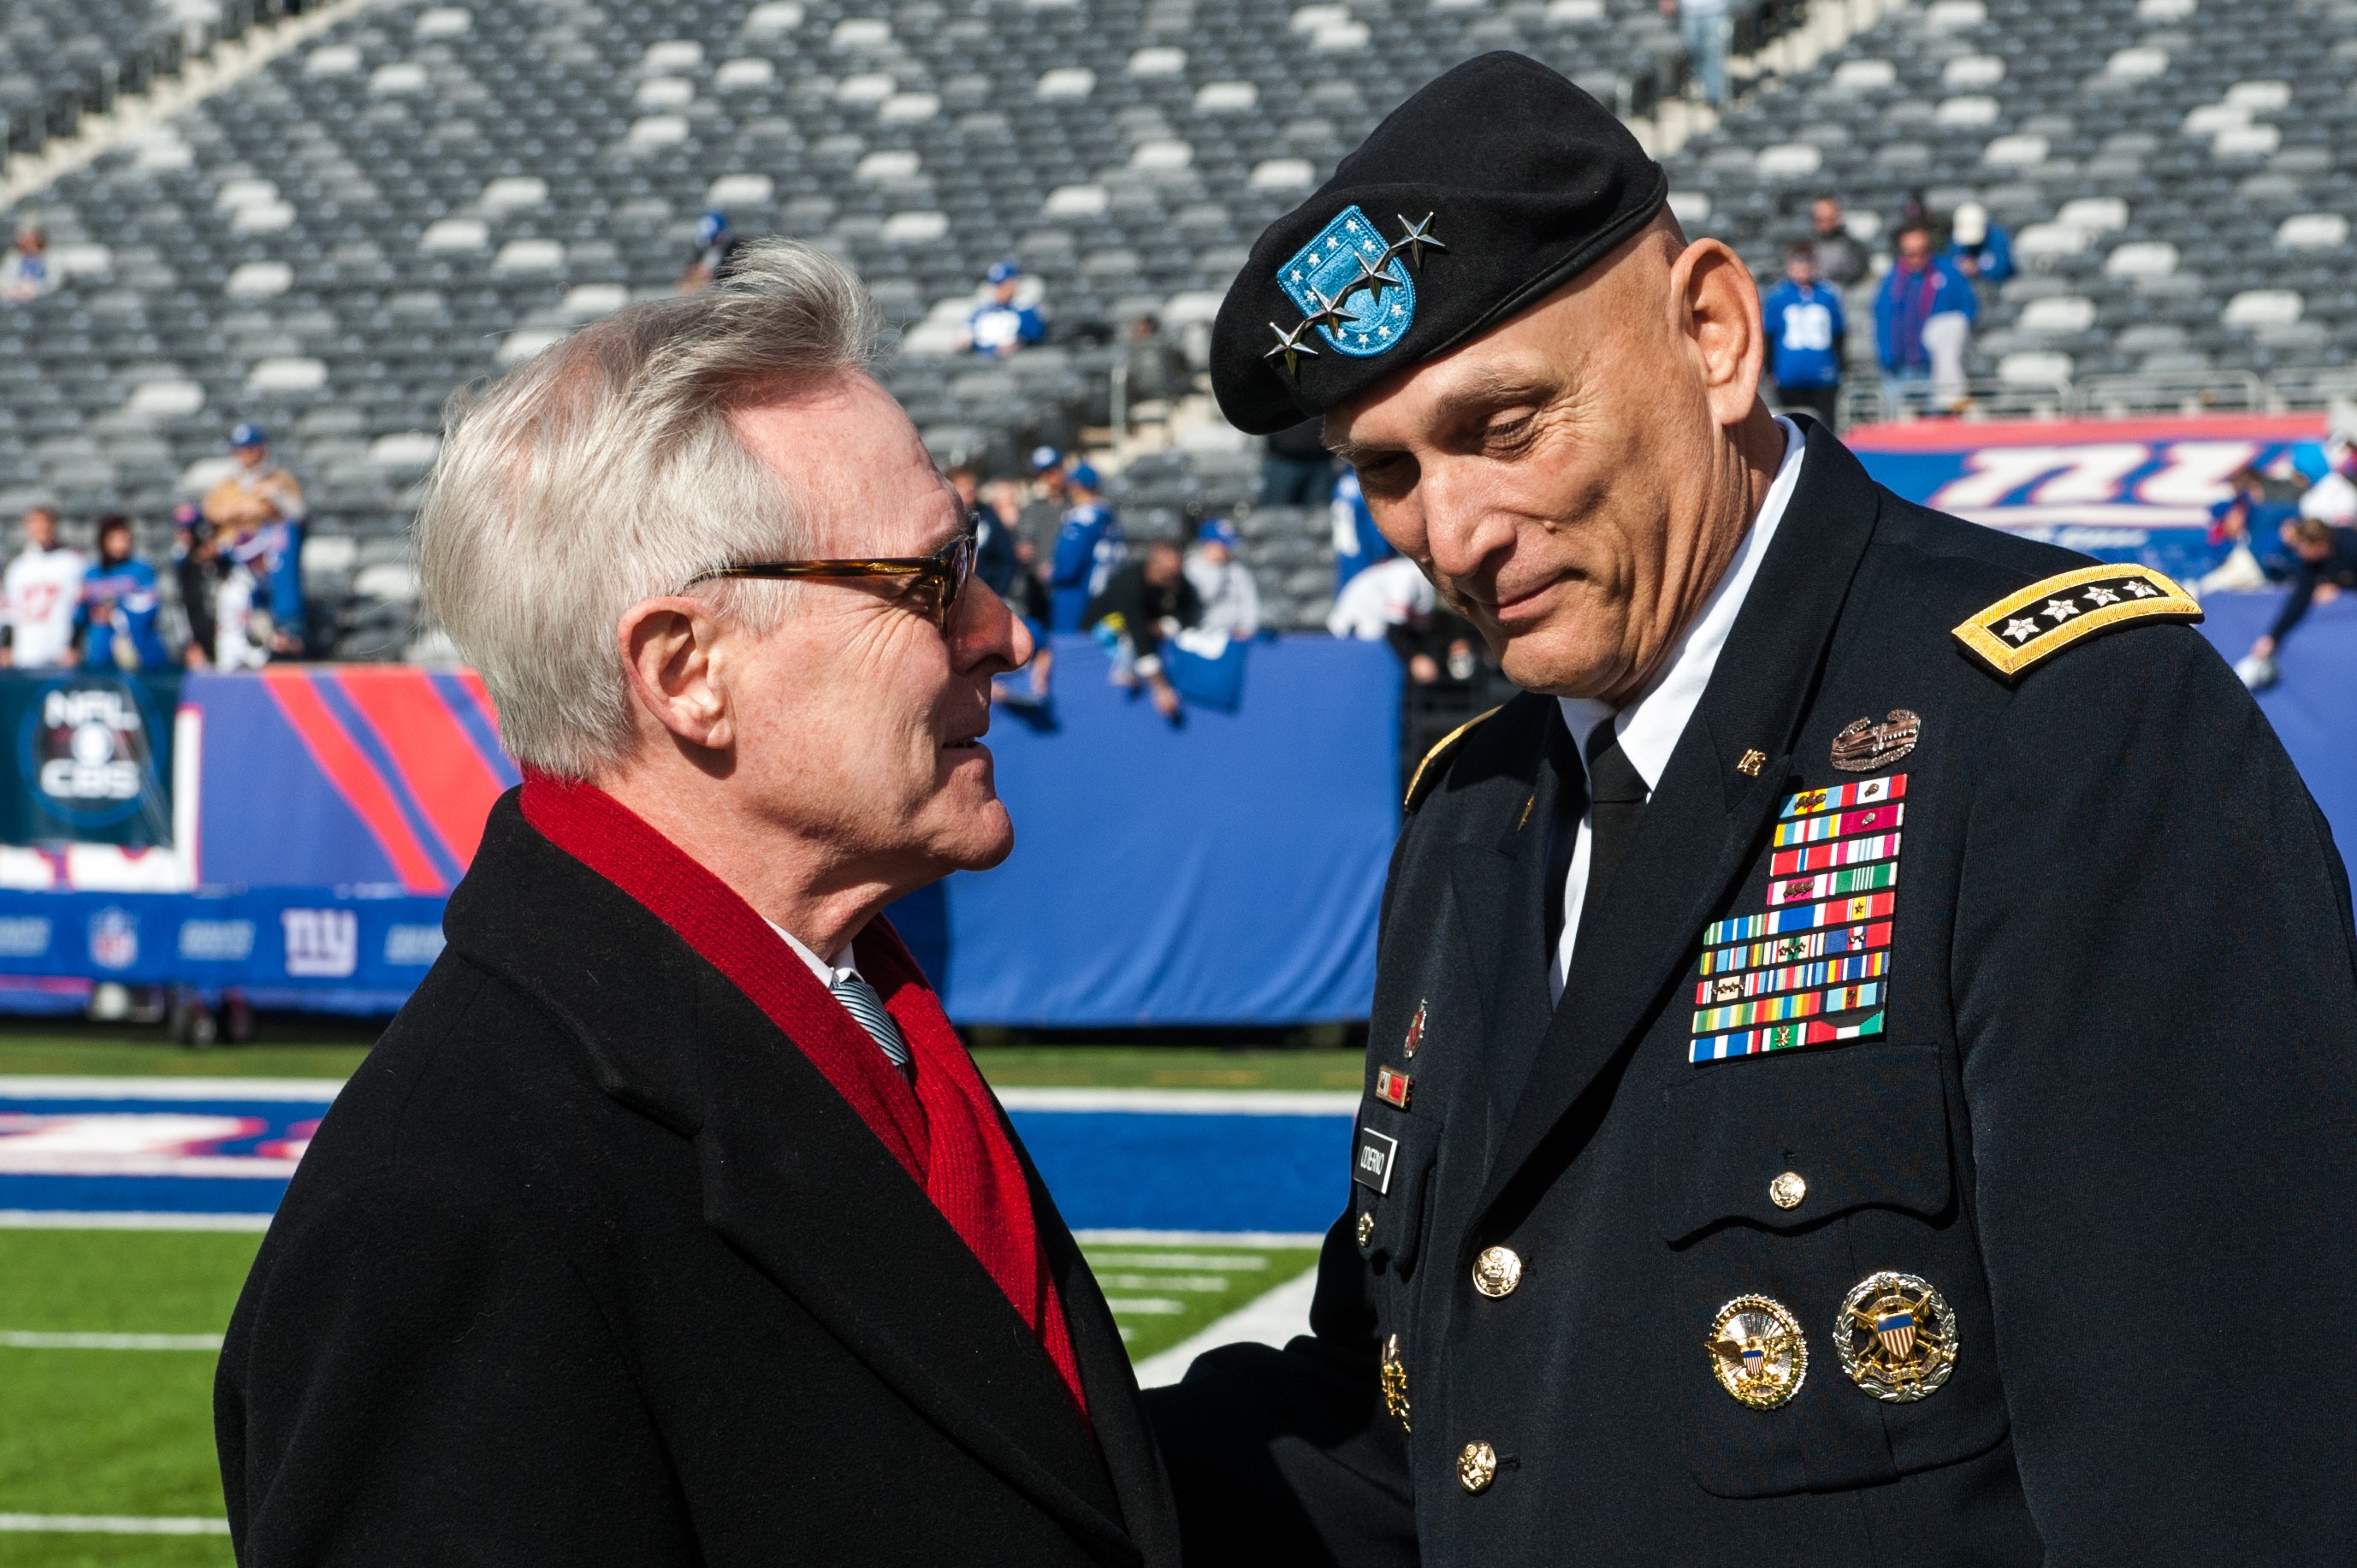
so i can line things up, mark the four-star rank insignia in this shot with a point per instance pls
(1896, 1336)
(2024, 629)
(1356, 289)
(1758, 1352)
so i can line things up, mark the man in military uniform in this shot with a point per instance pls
(1721, 1194)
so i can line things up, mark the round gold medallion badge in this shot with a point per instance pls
(1758, 1352)
(1897, 1336)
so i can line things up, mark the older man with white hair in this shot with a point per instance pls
(671, 1222)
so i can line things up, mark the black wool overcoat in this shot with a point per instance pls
(2110, 1117)
(589, 1264)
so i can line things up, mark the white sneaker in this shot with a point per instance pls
(2258, 673)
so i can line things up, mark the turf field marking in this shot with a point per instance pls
(127, 1219)
(111, 1524)
(1187, 1101)
(22, 1339)
(1271, 1319)
(314, 1091)
(1268, 1239)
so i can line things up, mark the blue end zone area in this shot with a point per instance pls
(1139, 1170)
(155, 1148)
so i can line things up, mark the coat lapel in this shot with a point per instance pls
(1701, 826)
(792, 1179)
(1499, 885)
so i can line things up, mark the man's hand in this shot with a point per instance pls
(1165, 696)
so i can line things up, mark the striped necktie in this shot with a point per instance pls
(860, 1000)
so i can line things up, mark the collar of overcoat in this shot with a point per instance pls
(794, 1179)
(1699, 830)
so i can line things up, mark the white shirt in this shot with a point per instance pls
(828, 974)
(1650, 726)
(1387, 594)
(44, 589)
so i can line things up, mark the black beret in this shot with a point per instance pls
(1485, 192)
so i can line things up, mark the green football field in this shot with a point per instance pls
(100, 1431)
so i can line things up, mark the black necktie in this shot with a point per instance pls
(1616, 796)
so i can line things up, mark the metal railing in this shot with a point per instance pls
(2190, 393)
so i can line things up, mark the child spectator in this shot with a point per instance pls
(119, 605)
(1981, 250)
(1088, 548)
(1004, 322)
(1143, 603)
(1223, 584)
(1805, 333)
(43, 589)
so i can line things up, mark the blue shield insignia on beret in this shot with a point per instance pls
(1353, 286)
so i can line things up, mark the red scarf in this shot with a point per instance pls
(944, 1130)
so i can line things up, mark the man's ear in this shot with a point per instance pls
(1718, 308)
(673, 651)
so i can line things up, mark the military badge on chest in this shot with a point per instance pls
(1811, 968)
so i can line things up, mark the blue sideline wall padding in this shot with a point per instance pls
(1224, 870)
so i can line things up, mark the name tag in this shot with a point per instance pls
(1371, 1166)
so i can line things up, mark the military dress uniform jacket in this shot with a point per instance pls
(589, 1264)
(2108, 1112)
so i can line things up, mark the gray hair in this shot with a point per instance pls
(604, 472)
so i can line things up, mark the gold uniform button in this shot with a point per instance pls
(1477, 1466)
(1786, 1191)
(1497, 1272)
(1366, 1227)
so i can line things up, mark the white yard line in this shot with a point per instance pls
(1187, 1101)
(27, 1087)
(111, 1524)
(1273, 1319)
(111, 1219)
(1264, 1238)
(27, 1339)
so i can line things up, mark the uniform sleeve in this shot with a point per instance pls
(1286, 1458)
(410, 1379)
(2157, 1006)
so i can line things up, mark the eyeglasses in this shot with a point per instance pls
(934, 582)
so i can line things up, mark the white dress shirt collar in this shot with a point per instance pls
(845, 965)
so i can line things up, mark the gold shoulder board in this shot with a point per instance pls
(2026, 629)
(1435, 765)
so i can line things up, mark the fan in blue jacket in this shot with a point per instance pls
(1088, 547)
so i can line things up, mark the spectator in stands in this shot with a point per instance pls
(994, 528)
(25, 275)
(259, 510)
(1710, 31)
(1089, 549)
(1222, 583)
(1004, 322)
(1357, 543)
(1156, 366)
(1044, 506)
(1840, 259)
(1982, 251)
(119, 605)
(196, 573)
(716, 251)
(1922, 320)
(1805, 334)
(2325, 562)
(2333, 499)
(1297, 469)
(1143, 603)
(1393, 600)
(43, 590)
